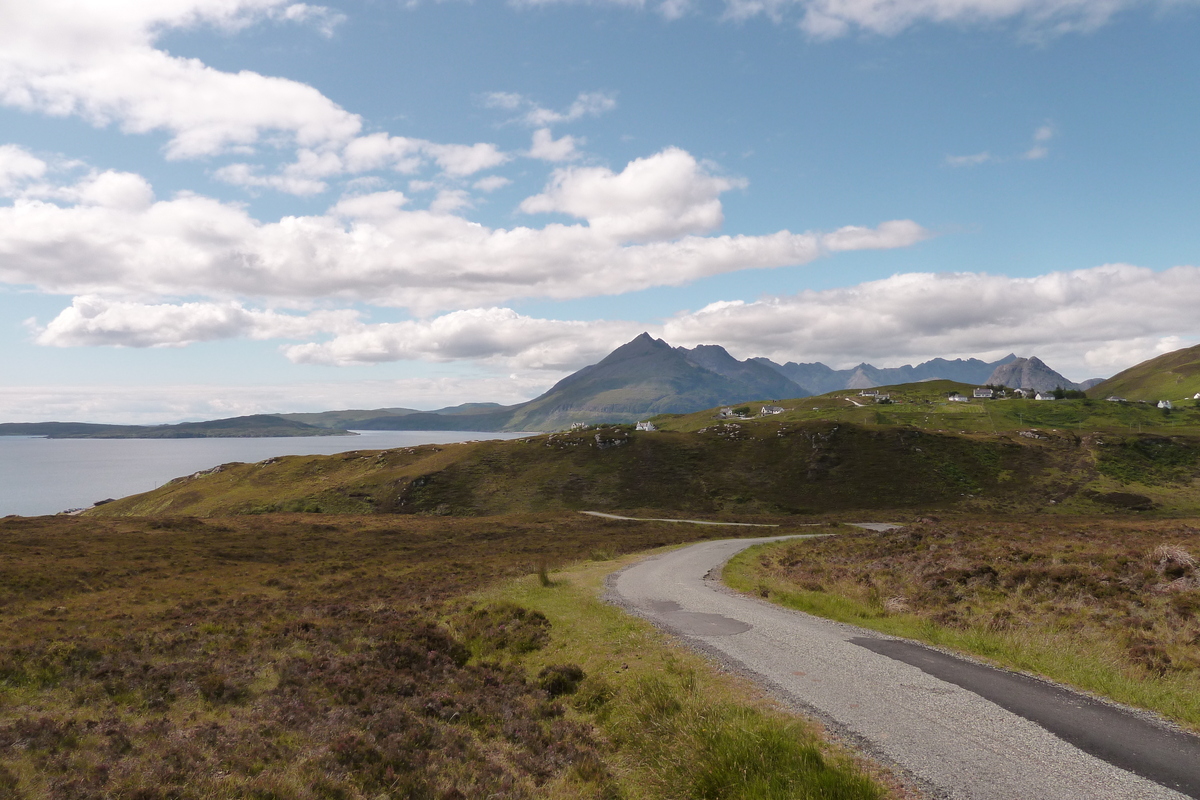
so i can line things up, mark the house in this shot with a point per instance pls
(1115, 399)
(883, 398)
(868, 393)
(725, 413)
(1044, 396)
(957, 398)
(1026, 393)
(1165, 404)
(646, 426)
(768, 410)
(579, 426)
(1196, 396)
(984, 393)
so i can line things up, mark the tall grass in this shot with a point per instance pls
(1085, 608)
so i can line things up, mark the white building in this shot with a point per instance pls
(646, 426)
(1165, 404)
(984, 393)
(769, 410)
(957, 398)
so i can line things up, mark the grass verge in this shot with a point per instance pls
(1110, 607)
(674, 727)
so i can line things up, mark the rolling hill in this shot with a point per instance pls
(1172, 376)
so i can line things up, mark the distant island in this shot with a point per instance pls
(253, 426)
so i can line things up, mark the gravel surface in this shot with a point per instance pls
(951, 740)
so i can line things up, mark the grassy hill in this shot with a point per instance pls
(839, 458)
(1172, 376)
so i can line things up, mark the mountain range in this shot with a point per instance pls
(638, 380)
(647, 376)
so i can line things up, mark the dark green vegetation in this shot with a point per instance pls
(1110, 606)
(340, 657)
(1173, 376)
(254, 426)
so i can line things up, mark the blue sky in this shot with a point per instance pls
(215, 207)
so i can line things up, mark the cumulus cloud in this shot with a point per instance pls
(547, 148)
(1085, 323)
(107, 235)
(662, 196)
(99, 62)
(95, 321)
(1093, 321)
(827, 19)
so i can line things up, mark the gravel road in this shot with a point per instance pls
(912, 707)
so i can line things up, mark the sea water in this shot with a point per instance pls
(46, 476)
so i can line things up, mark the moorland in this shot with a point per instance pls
(426, 622)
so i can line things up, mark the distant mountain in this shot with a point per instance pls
(822, 379)
(1171, 376)
(254, 426)
(1029, 373)
(639, 379)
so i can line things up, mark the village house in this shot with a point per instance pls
(984, 393)
(646, 426)
(1044, 396)
(958, 398)
(1165, 404)
(769, 410)
(868, 393)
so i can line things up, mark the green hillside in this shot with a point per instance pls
(770, 466)
(1172, 376)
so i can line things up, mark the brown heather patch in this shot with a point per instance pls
(1110, 605)
(282, 656)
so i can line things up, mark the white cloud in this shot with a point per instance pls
(586, 104)
(547, 148)
(827, 19)
(1085, 322)
(17, 168)
(491, 183)
(98, 61)
(662, 196)
(94, 321)
(1040, 149)
(111, 238)
(495, 335)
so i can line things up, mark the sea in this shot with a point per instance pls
(46, 476)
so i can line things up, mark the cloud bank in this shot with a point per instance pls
(1085, 322)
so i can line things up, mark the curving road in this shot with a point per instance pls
(960, 729)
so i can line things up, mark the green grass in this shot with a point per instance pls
(1080, 602)
(680, 729)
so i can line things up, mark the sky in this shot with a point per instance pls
(220, 207)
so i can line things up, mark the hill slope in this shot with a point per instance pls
(1171, 376)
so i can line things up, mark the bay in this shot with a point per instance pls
(46, 476)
